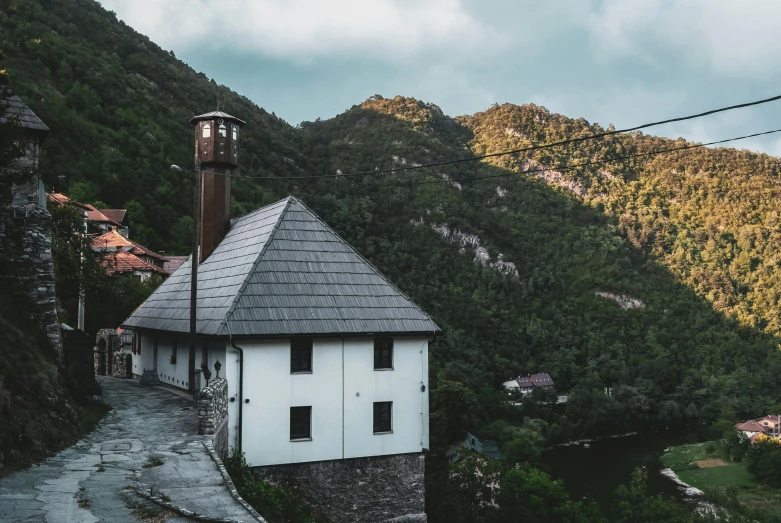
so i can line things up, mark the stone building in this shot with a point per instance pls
(26, 225)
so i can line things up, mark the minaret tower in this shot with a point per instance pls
(217, 152)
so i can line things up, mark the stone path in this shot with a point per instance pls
(148, 438)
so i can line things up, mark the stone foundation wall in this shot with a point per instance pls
(122, 365)
(26, 252)
(213, 414)
(368, 490)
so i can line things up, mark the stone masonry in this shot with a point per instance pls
(26, 225)
(213, 414)
(121, 365)
(107, 344)
(368, 490)
(26, 250)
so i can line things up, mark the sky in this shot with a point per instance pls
(624, 62)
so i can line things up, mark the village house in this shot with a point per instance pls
(526, 384)
(769, 425)
(123, 256)
(98, 221)
(326, 361)
(471, 443)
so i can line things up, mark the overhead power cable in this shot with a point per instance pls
(567, 167)
(512, 151)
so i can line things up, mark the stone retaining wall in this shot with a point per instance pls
(26, 253)
(368, 490)
(121, 365)
(213, 414)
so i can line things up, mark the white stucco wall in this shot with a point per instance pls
(341, 390)
(144, 360)
(402, 386)
(173, 374)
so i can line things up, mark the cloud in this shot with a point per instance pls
(731, 38)
(310, 29)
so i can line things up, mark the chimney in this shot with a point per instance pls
(217, 150)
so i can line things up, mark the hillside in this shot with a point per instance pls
(519, 270)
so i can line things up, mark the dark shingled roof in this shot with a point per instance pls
(14, 109)
(542, 380)
(282, 271)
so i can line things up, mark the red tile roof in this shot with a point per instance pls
(113, 240)
(94, 215)
(115, 215)
(64, 200)
(750, 426)
(121, 262)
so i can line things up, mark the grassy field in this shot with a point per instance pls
(701, 466)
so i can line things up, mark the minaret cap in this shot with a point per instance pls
(215, 115)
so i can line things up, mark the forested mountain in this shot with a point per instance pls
(520, 270)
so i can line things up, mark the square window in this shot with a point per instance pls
(300, 423)
(383, 414)
(383, 353)
(301, 355)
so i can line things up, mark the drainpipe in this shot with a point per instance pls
(342, 397)
(241, 383)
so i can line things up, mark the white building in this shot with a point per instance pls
(326, 360)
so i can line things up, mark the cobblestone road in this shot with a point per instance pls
(149, 436)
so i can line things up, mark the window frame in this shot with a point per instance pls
(384, 363)
(381, 404)
(301, 436)
(206, 131)
(295, 355)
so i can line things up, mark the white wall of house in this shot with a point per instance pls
(144, 360)
(341, 390)
(173, 374)
(402, 386)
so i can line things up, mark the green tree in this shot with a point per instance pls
(531, 495)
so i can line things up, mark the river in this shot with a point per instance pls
(596, 472)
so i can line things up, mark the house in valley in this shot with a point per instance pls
(769, 425)
(471, 443)
(750, 428)
(526, 384)
(326, 360)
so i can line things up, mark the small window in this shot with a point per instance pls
(300, 423)
(383, 353)
(235, 132)
(222, 130)
(383, 414)
(301, 355)
(174, 345)
(207, 130)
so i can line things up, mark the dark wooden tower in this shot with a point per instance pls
(217, 150)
